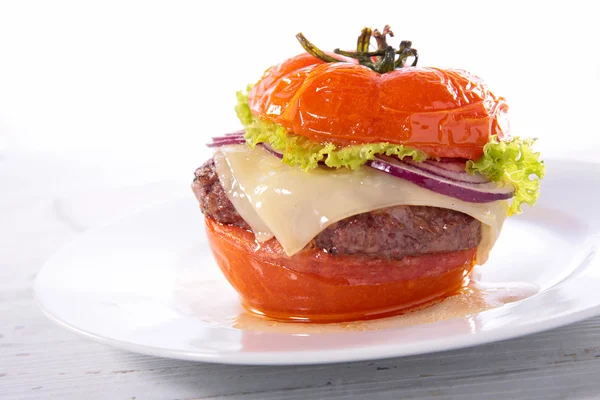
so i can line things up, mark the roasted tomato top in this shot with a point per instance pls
(444, 112)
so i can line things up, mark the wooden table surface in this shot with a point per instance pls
(45, 203)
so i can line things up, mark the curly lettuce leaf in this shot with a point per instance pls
(242, 109)
(513, 162)
(300, 151)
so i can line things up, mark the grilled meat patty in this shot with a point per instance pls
(393, 232)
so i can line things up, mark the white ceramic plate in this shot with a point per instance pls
(147, 283)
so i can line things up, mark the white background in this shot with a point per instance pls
(145, 84)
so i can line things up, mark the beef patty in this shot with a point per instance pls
(393, 232)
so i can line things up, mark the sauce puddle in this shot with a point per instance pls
(472, 299)
(210, 299)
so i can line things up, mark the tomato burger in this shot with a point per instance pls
(362, 185)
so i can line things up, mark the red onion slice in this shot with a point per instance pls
(226, 138)
(452, 165)
(227, 141)
(456, 173)
(271, 150)
(473, 193)
(236, 133)
(236, 137)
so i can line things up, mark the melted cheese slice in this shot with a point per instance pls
(295, 206)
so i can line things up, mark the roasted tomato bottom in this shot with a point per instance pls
(314, 286)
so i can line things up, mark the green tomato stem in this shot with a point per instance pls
(384, 59)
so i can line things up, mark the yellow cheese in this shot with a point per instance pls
(294, 206)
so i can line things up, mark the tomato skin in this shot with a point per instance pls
(318, 287)
(444, 112)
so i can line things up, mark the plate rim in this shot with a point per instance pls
(312, 357)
